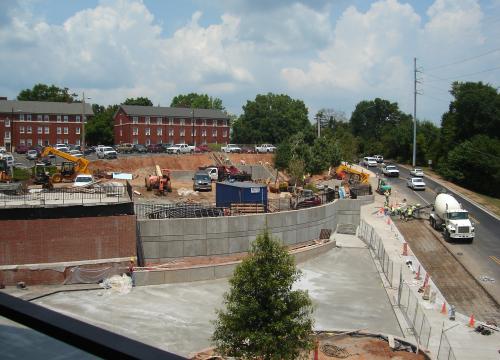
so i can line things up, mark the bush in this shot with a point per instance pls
(214, 147)
(21, 174)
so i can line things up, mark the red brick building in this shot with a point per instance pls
(161, 125)
(42, 123)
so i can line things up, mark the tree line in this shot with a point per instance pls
(464, 149)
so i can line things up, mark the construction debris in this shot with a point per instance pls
(335, 351)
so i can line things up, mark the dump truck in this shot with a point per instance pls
(160, 181)
(449, 216)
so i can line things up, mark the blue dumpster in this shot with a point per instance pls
(227, 193)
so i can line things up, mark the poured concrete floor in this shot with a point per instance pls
(345, 287)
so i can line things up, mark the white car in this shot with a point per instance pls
(83, 180)
(231, 148)
(8, 158)
(75, 153)
(106, 152)
(265, 148)
(379, 158)
(180, 149)
(390, 170)
(416, 183)
(417, 172)
(369, 161)
(32, 155)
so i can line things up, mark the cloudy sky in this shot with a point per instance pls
(328, 53)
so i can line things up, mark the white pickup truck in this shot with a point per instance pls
(265, 148)
(180, 149)
(231, 148)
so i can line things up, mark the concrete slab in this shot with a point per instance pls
(343, 283)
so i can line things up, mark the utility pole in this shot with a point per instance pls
(318, 123)
(414, 111)
(83, 123)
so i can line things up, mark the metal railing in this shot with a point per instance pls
(65, 196)
(445, 351)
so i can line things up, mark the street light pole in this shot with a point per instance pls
(83, 123)
(414, 112)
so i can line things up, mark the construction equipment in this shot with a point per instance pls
(160, 181)
(223, 173)
(449, 216)
(41, 175)
(351, 175)
(68, 169)
(5, 175)
(383, 187)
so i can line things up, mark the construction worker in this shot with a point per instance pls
(130, 273)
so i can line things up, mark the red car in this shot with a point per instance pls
(22, 149)
(155, 148)
(202, 148)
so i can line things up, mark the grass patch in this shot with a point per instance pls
(21, 174)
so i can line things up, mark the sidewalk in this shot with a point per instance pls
(444, 339)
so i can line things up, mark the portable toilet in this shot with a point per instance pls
(227, 193)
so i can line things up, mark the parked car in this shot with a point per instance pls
(416, 183)
(125, 148)
(83, 179)
(248, 150)
(32, 155)
(417, 172)
(369, 161)
(180, 149)
(139, 148)
(8, 157)
(155, 148)
(390, 170)
(379, 158)
(76, 153)
(204, 148)
(106, 152)
(22, 149)
(265, 148)
(231, 148)
(202, 181)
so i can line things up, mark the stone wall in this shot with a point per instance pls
(165, 239)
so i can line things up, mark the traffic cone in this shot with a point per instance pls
(316, 348)
(472, 321)
(405, 249)
(426, 281)
(417, 277)
(388, 220)
(443, 308)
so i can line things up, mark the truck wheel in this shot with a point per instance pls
(432, 222)
(56, 178)
(447, 235)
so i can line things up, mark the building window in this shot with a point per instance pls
(66, 141)
(7, 122)
(40, 130)
(121, 122)
(214, 122)
(21, 117)
(65, 118)
(147, 119)
(214, 132)
(7, 134)
(22, 142)
(159, 131)
(170, 121)
(224, 133)
(28, 117)
(29, 142)
(84, 118)
(59, 141)
(77, 142)
(121, 133)
(40, 142)
(193, 132)
(148, 142)
(21, 129)
(47, 130)
(182, 133)
(66, 131)
(77, 131)
(147, 131)
(159, 120)
(77, 118)
(135, 141)
(135, 120)
(46, 117)
(59, 130)
(135, 131)
(28, 130)
(182, 121)
(203, 132)
(58, 118)
(39, 117)
(204, 122)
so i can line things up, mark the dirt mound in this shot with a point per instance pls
(252, 158)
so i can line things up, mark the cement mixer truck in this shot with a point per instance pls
(449, 216)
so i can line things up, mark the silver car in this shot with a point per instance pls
(417, 172)
(416, 183)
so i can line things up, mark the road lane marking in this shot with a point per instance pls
(420, 196)
(495, 259)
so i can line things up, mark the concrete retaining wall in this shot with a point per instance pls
(173, 238)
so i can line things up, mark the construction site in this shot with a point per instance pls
(144, 216)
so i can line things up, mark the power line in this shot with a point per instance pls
(463, 60)
(461, 76)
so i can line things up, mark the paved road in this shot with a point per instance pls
(482, 257)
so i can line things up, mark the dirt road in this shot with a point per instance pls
(455, 283)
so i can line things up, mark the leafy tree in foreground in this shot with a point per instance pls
(42, 92)
(99, 129)
(141, 101)
(264, 318)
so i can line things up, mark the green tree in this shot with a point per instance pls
(197, 101)
(99, 129)
(42, 92)
(272, 118)
(263, 317)
(141, 101)
(325, 152)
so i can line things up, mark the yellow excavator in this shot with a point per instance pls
(351, 175)
(67, 171)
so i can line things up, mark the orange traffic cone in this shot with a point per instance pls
(316, 348)
(426, 281)
(388, 220)
(405, 249)
(417, 277)
(472, 321)
(443, 308)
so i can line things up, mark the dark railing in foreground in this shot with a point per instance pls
(89, 338)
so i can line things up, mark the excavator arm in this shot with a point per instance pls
(81, 164)
(363, 177)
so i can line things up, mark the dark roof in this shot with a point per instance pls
(173, 112)
(43, 107)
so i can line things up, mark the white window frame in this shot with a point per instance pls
(135, 131)
(77, 131)
(59, 118)
(66, 141)
(65, 118)
(7, 134)
(77, 142)
(46, 118)
(21, 129)
(22, 142)
(148, 141)
(135, 120)
(203, 132)
(171, 132)
(159, 131)
(214, 132)
(66, 130)
(47, 130)
(59, 141)
(204, 122)
(135, 141)
(182, 122)
(7, 122)
(147, 120)
(29, 130)
(224, 133)
(39, 117)
(39, 130)
(159, 120)
(147, 131)
(182, 132)
(59, 131)
(77, 118)
(21, 117)
(40, 142)
(29, 142)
